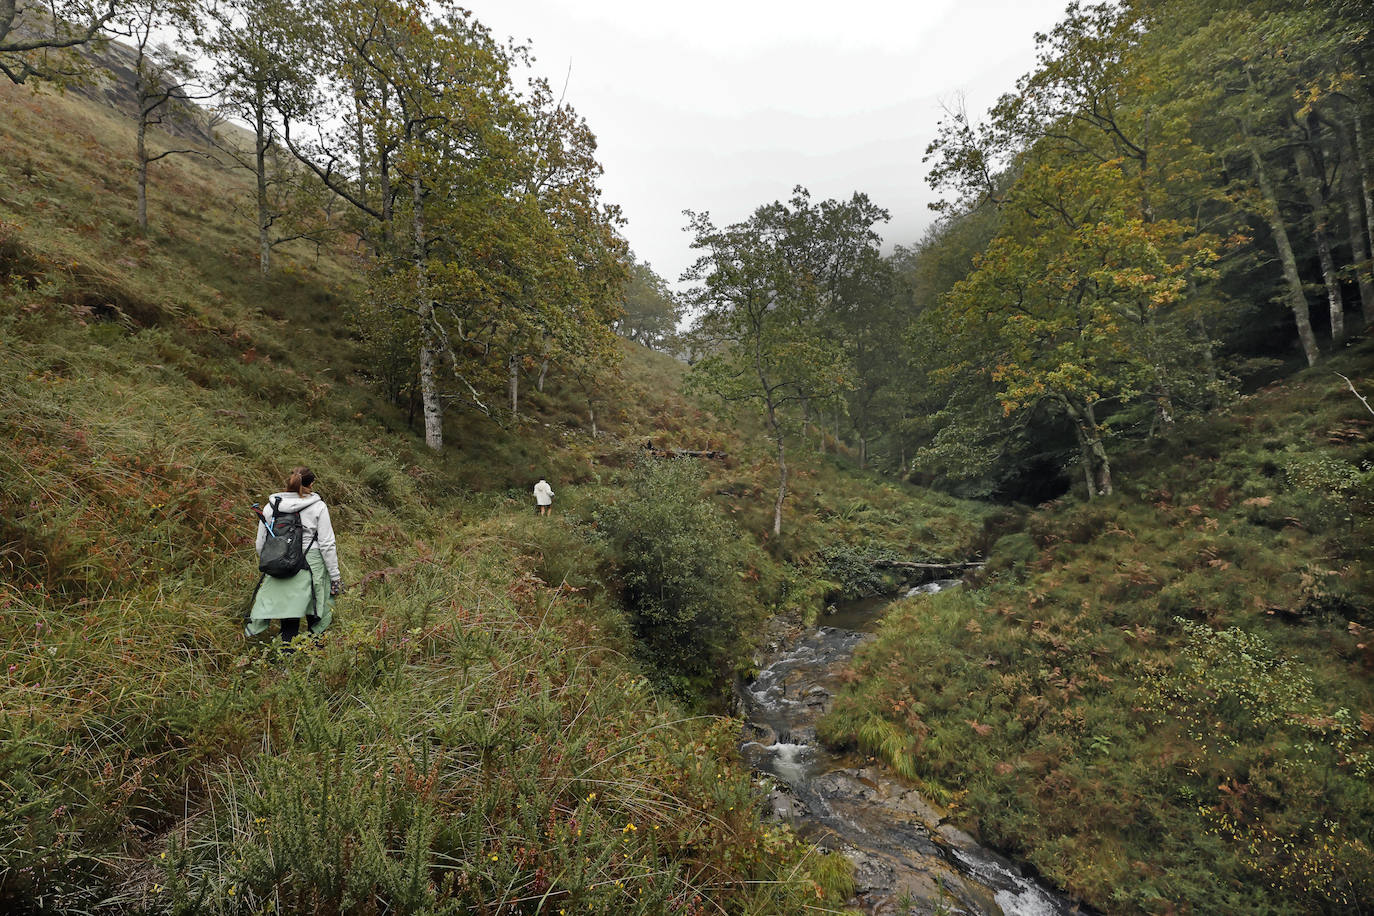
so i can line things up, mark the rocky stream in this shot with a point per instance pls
(907, 859)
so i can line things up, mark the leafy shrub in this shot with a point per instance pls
(682, 568)
(1258, 731)
(855, 571)
(1335, 488)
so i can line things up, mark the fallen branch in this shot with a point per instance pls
(1351, 386)
(904, 564)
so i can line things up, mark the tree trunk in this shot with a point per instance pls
(1306, 161)
(143, 175)
(1297, 299)
(806, 426)
(388, 194)
(1085, 457)
(591, 414)
(543, 372)
(863, 451)
(1164, 404)
(360, 137)
(1362, 154)
(1097, 468)
(1099, 449)
(260, 163)
(514, 384)
(429, 387)
(429, 384)
(1356, 221)
(1208, 357)
(782, 469)
(1164, 393)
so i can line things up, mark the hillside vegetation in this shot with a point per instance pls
(475, 731)
(1163, 699)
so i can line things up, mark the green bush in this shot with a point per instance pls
(683, 570)
(856, 572)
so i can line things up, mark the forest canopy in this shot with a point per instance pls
(1174, 204)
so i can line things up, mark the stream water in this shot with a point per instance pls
(907, 860)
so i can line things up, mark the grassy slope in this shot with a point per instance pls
(1092, 706)
(472, 730)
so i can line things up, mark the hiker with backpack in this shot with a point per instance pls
(543, 496)
(298, 561)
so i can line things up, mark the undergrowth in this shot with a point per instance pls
(1163, 700)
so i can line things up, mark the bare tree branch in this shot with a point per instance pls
(1362, 398)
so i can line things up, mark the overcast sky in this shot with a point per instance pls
(723, 105)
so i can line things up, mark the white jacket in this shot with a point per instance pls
(318, 531)
(543, 493)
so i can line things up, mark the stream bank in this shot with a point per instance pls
(907, 859)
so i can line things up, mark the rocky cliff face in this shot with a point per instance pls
(115, 81)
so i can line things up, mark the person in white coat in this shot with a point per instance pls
(309, 593)
(543, 496)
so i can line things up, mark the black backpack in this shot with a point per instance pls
(283, 553)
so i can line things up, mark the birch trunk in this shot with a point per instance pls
(782, 470)
(429, 388)
(514, 384)
(1306, 163)
(1362, 154)
(429, 383)
(1297, 299)
(1355, 204)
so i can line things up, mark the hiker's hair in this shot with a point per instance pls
(300, 478)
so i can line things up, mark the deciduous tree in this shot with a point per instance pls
(255, 47)
(651, 311)
(164, 80)
(765, 292)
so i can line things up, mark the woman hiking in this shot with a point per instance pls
(310, 592)
(543, 496)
